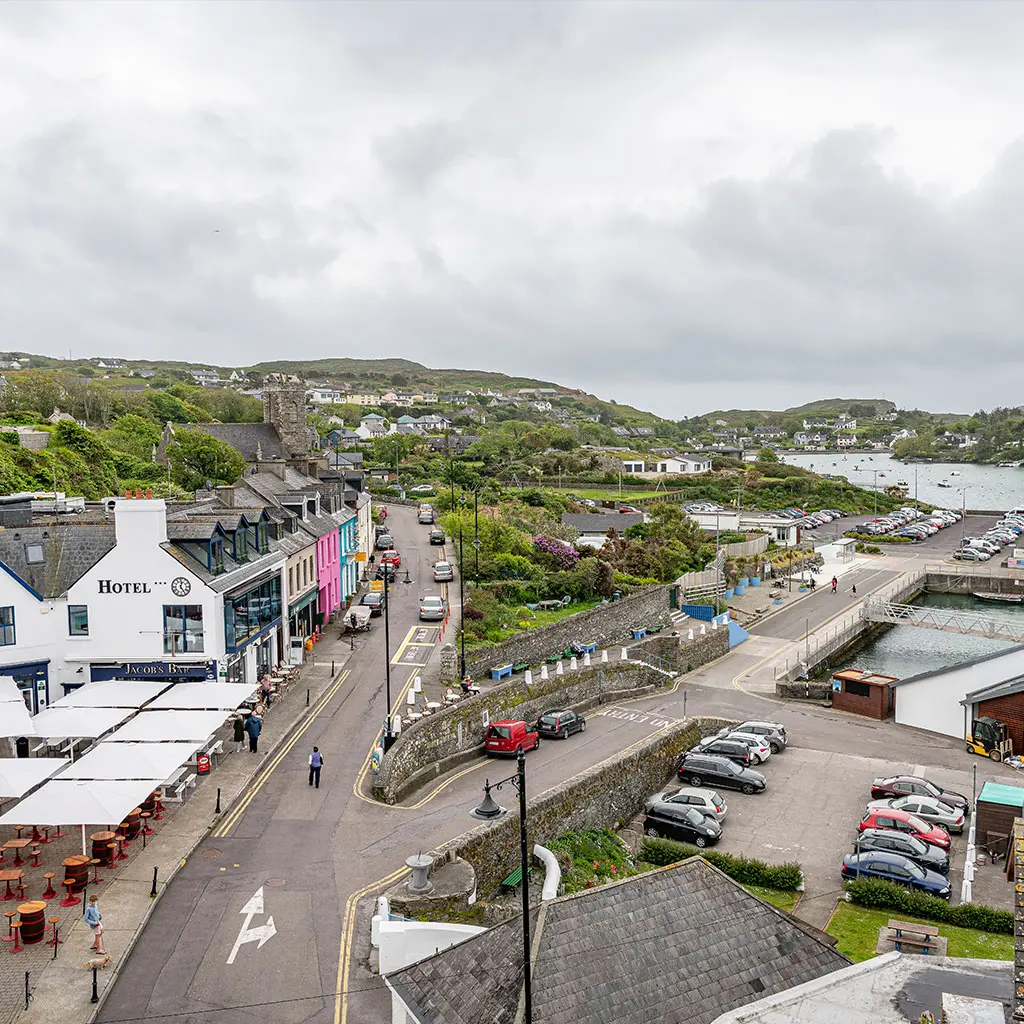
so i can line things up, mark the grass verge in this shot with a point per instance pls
(776, 897)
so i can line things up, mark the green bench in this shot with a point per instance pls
(515, 878)
(654, 629)
(553, 659)
(521, 667)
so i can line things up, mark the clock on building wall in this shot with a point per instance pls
(180, 586)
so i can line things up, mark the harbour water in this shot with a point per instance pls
(980, 487)
(907, 650)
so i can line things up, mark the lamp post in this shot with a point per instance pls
(875, 471)
(963, 515)
(476, 539)
(389, 736)
(462, 611)
(490, 811)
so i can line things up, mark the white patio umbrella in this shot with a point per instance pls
(127, 761)
(113, 693)
(157, 726)
(87, 723)
(196, 696)
(20, 774)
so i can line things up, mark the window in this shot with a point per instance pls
(7, 626)
(241, 546)
(291, 581)
(78, 620)
(304, 579)
(261, 538)
(34, 554)
(183, 628)
(857, 689)
(217, 555)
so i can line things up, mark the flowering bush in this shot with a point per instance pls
(564, 555)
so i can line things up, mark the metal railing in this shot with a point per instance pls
(953, 620)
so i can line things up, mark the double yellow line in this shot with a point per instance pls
(233, 816)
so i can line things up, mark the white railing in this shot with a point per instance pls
(953, 620)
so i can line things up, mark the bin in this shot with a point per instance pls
(21, 746)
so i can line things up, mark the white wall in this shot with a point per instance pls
(934, 702)
(35, 623)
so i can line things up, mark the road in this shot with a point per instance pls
(312, 860)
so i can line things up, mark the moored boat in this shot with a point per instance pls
(988, 595)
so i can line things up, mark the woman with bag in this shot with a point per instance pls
(94, 919)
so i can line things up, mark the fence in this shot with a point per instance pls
(745, 548)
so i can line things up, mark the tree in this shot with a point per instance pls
(766, 455)
(197, 457)
(135, 435)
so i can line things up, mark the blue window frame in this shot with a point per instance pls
(7, 625)
(241, 549)
(183, 628)
(216, 555)
(248, 614)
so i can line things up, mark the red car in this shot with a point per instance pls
(507, 737)
(391, 557)
(903, 821)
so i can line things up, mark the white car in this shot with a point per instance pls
(760, 748)
(773, 732)
(707, 801)
(927, 807)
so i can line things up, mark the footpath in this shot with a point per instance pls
(61, 990)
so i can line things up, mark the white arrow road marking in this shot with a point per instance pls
(261, 934)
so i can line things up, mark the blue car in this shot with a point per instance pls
(894, 867)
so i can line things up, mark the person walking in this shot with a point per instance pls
(853, 589)
(316, 762)
(835, 584)
(94, 919)
(239, 734)
(266, 689)
(253, 726)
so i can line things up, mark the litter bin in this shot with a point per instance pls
(21, 746)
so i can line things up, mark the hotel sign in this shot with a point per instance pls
(180, 586)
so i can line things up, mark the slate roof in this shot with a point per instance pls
(244, 437)
(595, 522)
(69, 552)
(685, 943)
(1006, 688)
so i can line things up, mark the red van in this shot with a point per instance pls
(505, 738)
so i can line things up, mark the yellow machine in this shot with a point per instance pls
(989, 738)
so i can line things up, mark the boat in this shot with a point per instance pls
(988, 595)
(954, 472)
(881, 474)
(1008, 465)
(902, 483)
(945, 483)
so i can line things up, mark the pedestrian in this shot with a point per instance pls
(253, 726)
(383, 513)
(853, 589)
(266, 688)
(239, 734)
(94, 919)
(835, 584)
(316, 762)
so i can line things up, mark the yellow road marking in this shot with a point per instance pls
(357, 786)
(235, 814)
(405, 643)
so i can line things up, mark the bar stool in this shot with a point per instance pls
(71, 900)
(96, 862)
(45, 829)
(120, 855)
(158, 811)
(111, 854)
(34, 862)
(56, 940)
(58, 833)
(49, 893)
(17, 947)
(19, 829)
(123, 829)
(21, 887)
(146, 830)
(35, 837)
(10, 915)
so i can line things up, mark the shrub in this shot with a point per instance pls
(879, 895)
(885, 538)
(745, 870)
(11, 437)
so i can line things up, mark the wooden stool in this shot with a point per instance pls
(158, 811)
(10, 915)
(58, 833)
(17, 947)
(19, 829)
(56, 940)
(71, 900)
(21, 887)
(35, 837)
(123, 829)
(45, 829)
(96, 862)
(49, 893)
(146, 830)
(121, 855)
(34, 862)
(111, 854)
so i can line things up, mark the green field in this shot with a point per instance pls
(856, 929)
(520, 619)
(607, 493)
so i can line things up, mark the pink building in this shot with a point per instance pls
(328, 573)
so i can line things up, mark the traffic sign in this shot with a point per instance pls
(377, 585)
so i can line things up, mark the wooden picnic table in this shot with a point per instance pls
(921, 936)
(548, 606)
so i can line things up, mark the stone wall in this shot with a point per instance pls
(605, 796)
(603, 625)
(434, 745)
(679, 654)
(805, 690)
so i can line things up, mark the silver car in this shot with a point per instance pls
(443, 572)
(707, 801)
(926, 807)
(760, 750)
(773, 732)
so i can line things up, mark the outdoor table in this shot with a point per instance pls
(434, 705)
(100, 845)
(414, 716)
(8, 877)
(547, 606)
(76, 872)
(17, 845)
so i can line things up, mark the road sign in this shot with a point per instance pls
(261, 934)
(360, 556)
(478, 543)
(377, 585)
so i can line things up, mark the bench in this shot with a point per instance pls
(500, 671)
(521, 667)
(921, 936)
(515, 878)
(651, 630)
(180, 789)
(553, 659)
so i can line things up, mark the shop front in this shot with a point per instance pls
(302, 615)
(252, 630)
(33, 681)
(169, 670)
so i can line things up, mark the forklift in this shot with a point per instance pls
(989, 738)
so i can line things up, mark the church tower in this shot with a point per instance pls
(284, 407)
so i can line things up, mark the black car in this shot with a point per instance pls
(884, 840)
(437, 536)
(560, 724)
(385, 541)
(891, 867)
(374, 600)
(687, 824)
(386, 570)
(699, 769)
(735, 750)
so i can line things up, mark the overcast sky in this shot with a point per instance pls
(680, 206)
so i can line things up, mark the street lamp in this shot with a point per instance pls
(462, 610)
(389, 736)
(491, 811)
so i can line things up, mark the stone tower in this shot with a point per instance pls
(284, 407)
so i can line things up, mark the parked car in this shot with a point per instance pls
(374, 600)
(685, 824)
(421, 489)
(384, 570)
(560, 724)
(773, 732)
(432, 609)
(696, 769)
(759, 748)
(891, 867)
(707, 801)
(426, 517)
(391, 557)
(631, 509)
(904, 821)
(735, 750)
(899, 785)
(933, 858)
(926, 807)
(443, 572)
(384, 541)
(971, 555)
(437, 536)
(505, 738)
(378, 530)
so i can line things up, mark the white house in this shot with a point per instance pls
(542, 405)
(846, 440)
(325, 396)
(685, 464)
(205, 377)
(372, 426)
(803, 439)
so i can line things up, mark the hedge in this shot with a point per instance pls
(744, 870)
(876, 894)
(874, 538)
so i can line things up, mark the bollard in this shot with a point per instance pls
(307, 698)
(528, 679)
(57, 940)
(624, 656)
(572, 663)
(28, 994)
(559, 671)
(85, 898)
(703, 630)
(410, 698)
(95, 990)
(689, 635)
(586, 659)
(604, 657)
(143, 840)
(216, 810)
(332, 668)
(417, 684)
(152, 892)
(544, 672)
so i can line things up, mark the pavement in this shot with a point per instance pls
(268, 918)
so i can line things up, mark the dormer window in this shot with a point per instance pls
(216, 555)
(262, 542)
(241, 551)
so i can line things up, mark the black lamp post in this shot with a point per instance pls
(491, 811)
(389, 736)
(462, 610)
(476, 539)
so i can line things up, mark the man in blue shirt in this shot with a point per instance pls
(316, 762)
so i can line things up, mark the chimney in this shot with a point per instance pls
(141, 523)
